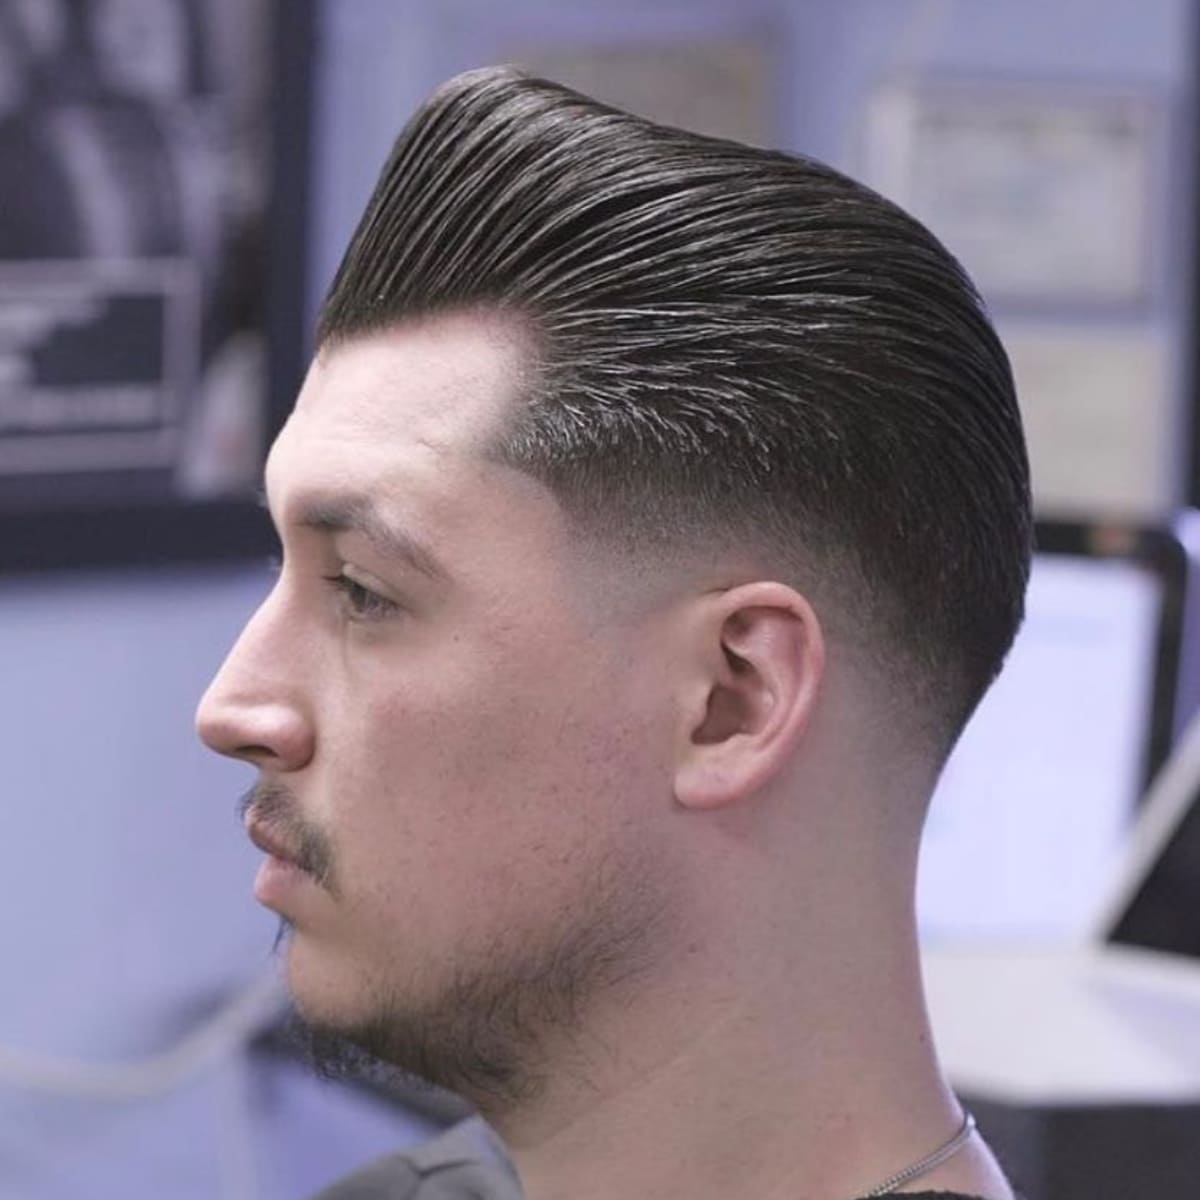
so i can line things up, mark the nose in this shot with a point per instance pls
(255, 708)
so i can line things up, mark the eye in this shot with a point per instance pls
(360, 602)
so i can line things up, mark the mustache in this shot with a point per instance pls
(272, 807)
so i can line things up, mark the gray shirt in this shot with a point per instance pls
(464, 1163)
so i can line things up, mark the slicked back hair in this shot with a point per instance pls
(734, 348)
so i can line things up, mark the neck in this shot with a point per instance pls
(782, 1076)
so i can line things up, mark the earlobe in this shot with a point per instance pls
(763, 652)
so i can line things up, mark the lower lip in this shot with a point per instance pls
(277, 879)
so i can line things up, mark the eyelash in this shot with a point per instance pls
(362, 603)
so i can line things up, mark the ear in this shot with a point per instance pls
(759, 655)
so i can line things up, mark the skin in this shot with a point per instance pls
(628, 858)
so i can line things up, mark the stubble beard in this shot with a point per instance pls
(498, 1029)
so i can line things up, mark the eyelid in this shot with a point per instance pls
(364, 579)
(347, 584)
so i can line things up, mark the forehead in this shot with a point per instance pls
(448, 381)
(403, 414)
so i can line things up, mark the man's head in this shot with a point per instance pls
(641, 481)
(729, 348)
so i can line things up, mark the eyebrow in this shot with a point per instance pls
(358, 514)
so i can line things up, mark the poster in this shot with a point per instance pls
(134, 150)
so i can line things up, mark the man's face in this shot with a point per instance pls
(467, 753)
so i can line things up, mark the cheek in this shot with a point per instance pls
(494, 789)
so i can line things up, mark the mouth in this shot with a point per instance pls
(282, 878)
(270, 844)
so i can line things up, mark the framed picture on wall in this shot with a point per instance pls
(151, 273)
(1045, 192)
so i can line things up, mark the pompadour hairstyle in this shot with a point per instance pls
(733, 348)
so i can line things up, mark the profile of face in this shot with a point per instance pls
(464, 753)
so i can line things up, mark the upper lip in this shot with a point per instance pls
(268, 843)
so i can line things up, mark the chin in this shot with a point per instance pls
(337, 1051)
(467, 1038)
(327, 992)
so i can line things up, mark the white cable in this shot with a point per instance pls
(224, 1033)
(237, 1153)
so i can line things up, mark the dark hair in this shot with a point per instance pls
(734, 347)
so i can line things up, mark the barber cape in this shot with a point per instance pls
(465, 1163)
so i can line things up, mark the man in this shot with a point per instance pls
(654, 514)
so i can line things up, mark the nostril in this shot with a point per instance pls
(254, 751)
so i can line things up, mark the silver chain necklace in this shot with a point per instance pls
(929, 1162)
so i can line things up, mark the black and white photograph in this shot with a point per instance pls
(135, 149)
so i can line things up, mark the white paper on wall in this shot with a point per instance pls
(1099, 417)
(1043, 192)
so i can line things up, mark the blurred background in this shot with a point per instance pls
(178, 179)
